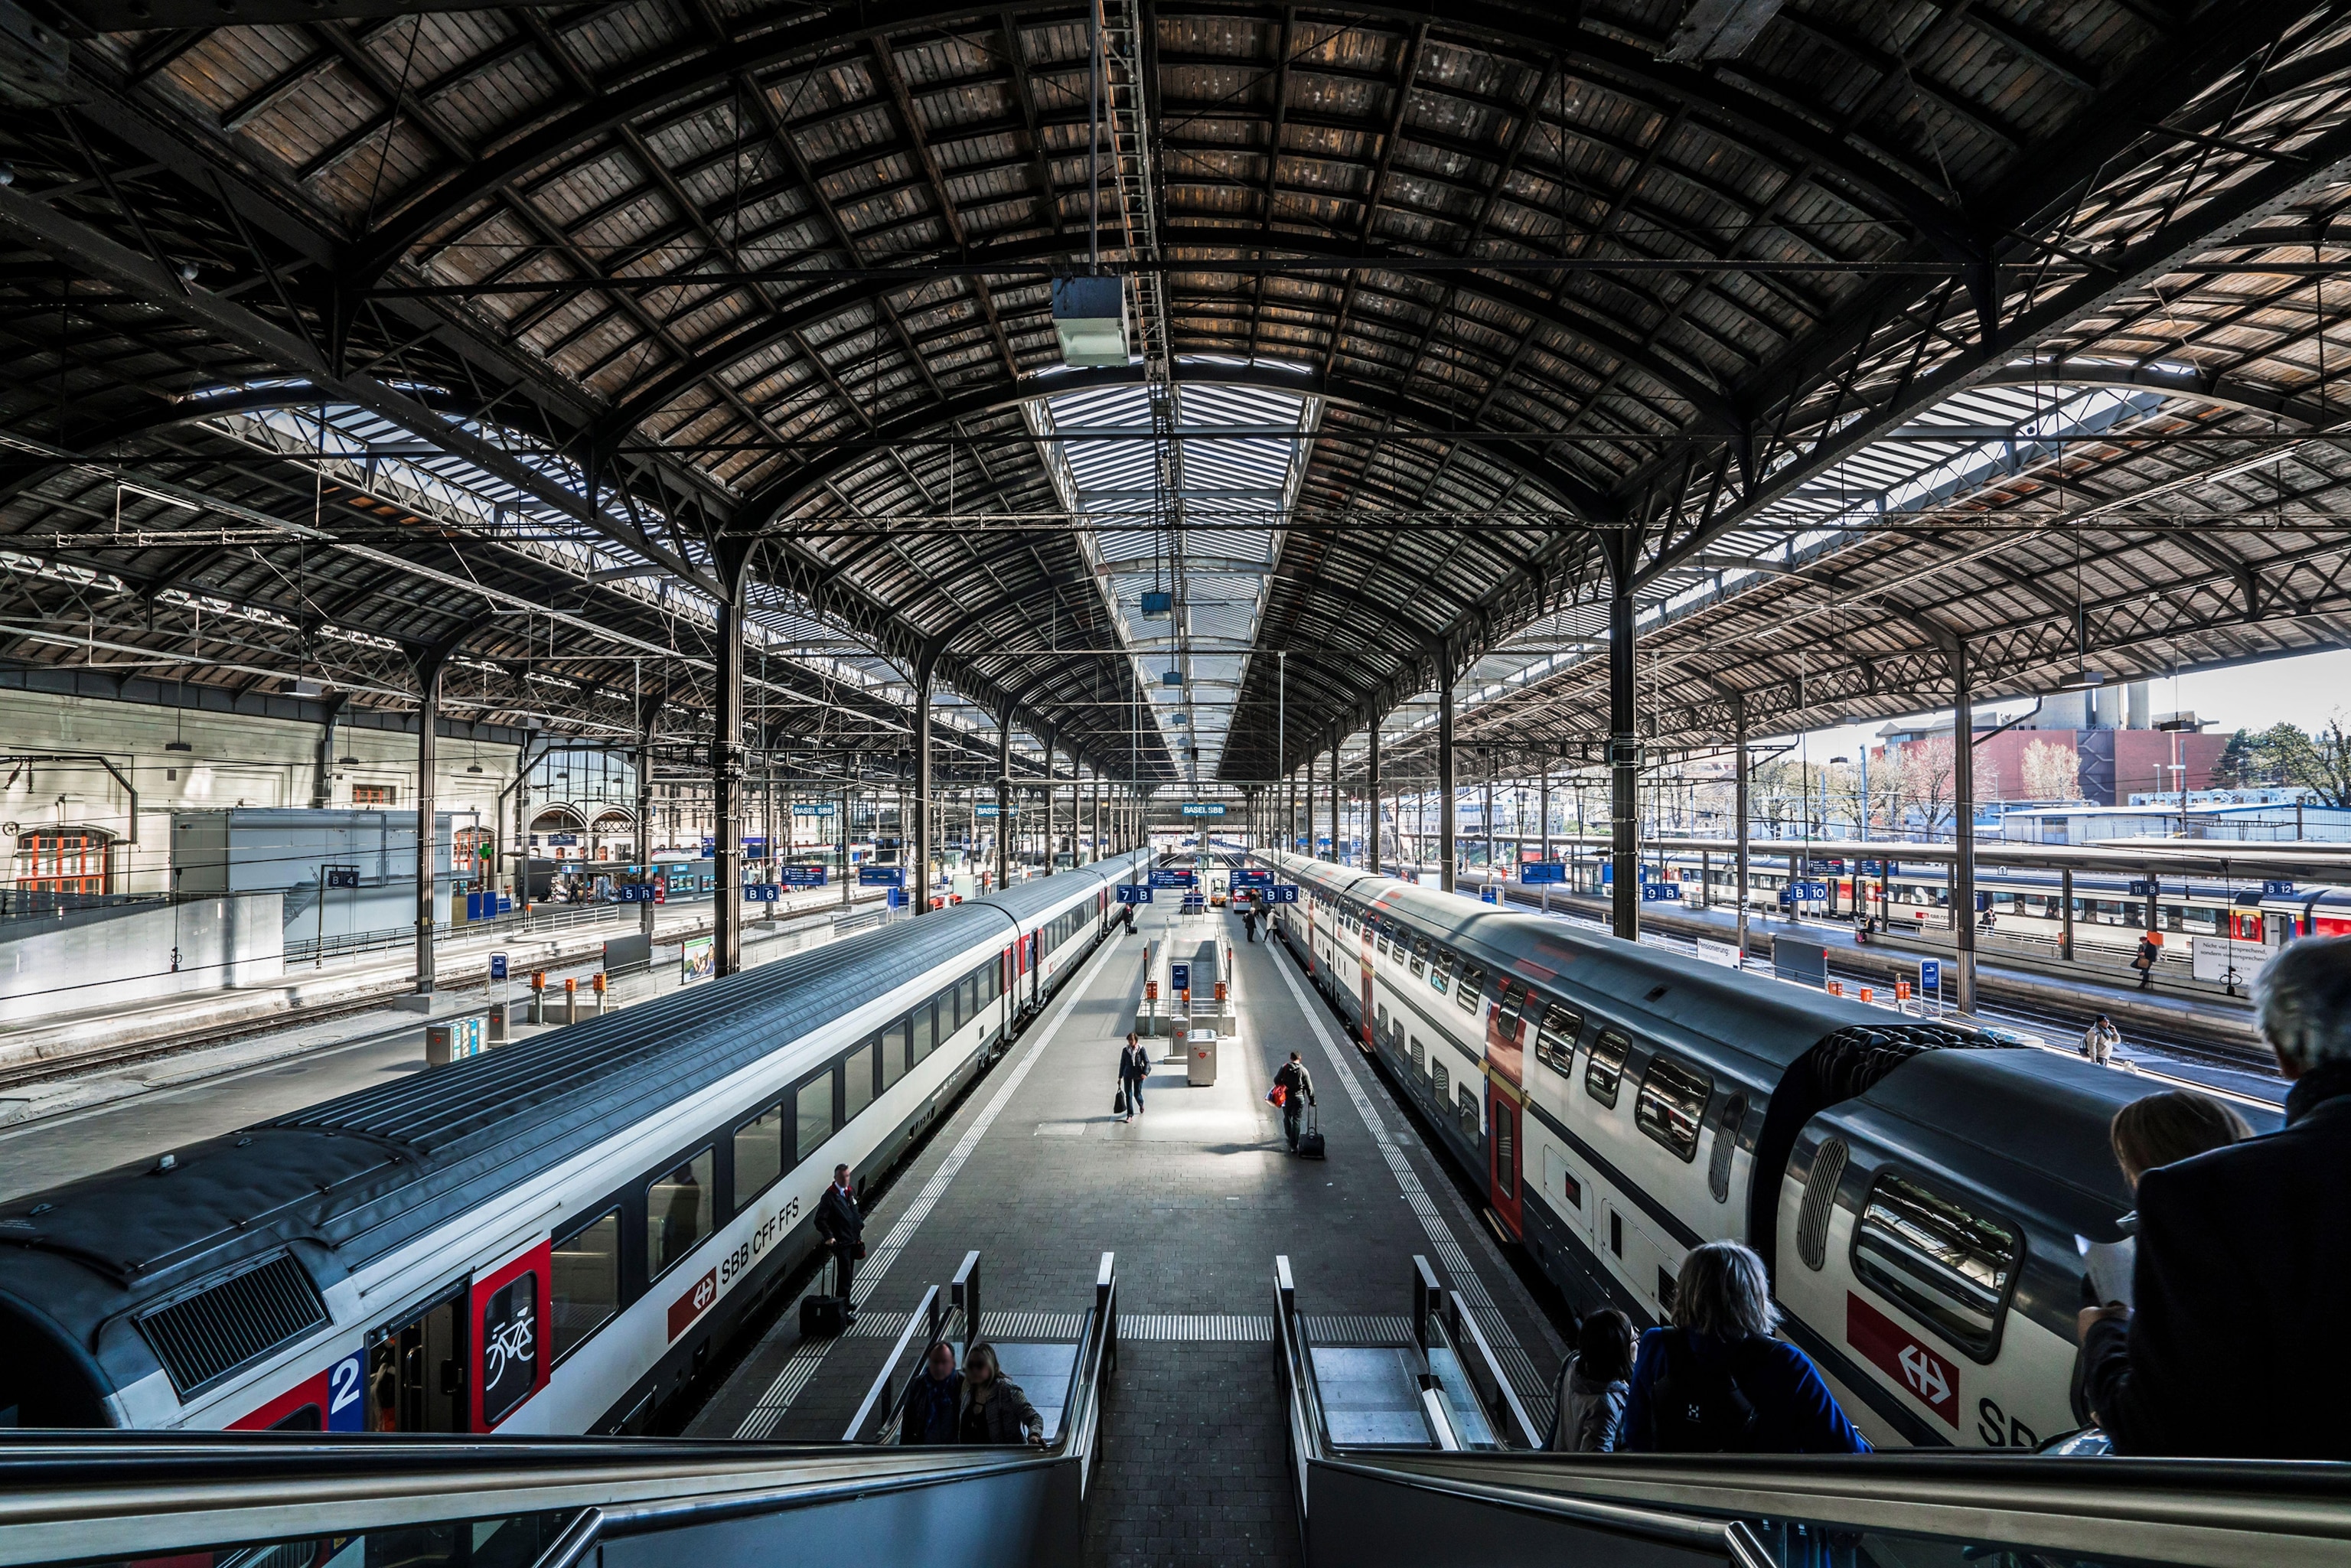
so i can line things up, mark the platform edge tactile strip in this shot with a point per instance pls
(1197, 1327)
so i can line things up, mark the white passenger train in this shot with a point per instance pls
(548, 1238)
(1917, 1189)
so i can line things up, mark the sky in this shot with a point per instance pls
(2303, 690)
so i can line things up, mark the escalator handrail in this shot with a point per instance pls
(2103, 1507)
(1645, 1524)
(84, 1494)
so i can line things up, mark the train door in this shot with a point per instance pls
(416, 1370)
(1503, 1111)
(1368, 929)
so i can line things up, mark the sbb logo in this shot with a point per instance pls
(693, 1304)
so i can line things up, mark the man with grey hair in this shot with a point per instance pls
(2244, 1245)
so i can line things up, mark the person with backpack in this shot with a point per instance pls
(2098, 1040)
(1588, 1416)
(1716, 1382)
(1297, 1093)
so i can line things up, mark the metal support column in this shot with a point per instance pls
(1371, 790)
(1963, 822)
(428, 763)
(1337, 833)
(1309, 851)
(1051, 844)
(1004, 801)
(650, 718)
(918, 891)
(1444, 811)
(1738, 810)
(1624, 752)
(726, 787)
(2065, 911)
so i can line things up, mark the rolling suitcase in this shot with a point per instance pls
(1309, 1141)
(823, 1317)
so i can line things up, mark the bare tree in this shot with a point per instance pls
(2051, 772)
(1928, 782)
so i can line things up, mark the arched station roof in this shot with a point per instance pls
(672, 294)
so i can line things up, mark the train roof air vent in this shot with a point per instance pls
(1820, 1198)
(203, 1339)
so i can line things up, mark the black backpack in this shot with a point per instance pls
(1699, 1406)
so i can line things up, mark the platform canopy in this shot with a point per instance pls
(353, 339)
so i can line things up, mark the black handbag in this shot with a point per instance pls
(1118, 1105)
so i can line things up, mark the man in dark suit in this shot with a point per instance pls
(843, 1229)
(2252, 1242)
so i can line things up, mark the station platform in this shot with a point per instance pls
(1197, 1196)
(86, 1116)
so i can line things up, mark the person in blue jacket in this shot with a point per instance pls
(1717, 1383)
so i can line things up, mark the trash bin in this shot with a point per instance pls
(1200, 1057)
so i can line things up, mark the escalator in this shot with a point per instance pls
(1419, 1454)
(289, 1499)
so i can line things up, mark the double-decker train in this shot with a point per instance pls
(547, 1239)
(1920, 1190)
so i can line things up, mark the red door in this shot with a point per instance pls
(1502, 1140)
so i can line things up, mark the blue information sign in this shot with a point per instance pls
(1282, 893)
(1533, 872)
(801, 876)
(1930, 976)
(881, 876)
(1252, 876)
(1132, 892)
(497, 965)
(2277, 890)
(763, 893)
(1204, 808)
(1660, 892)
(343, 876)
(1179, 976)
(1173, 876)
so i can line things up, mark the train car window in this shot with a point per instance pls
(677, 1212)
(894, 1053)
(1506, 1009)
(968, 995)
(586, 1281)
(857, 1082)
(1555, 1042)
(1380, 938)
(1671, 1105)
(1469, 1108)
(1419, 1058)
(759, 1154)
(1603, 1068)
(813, 1115)
(1440, 1082)
(1472, 989)
(1440, 972)
(919, 1040)
(1419, 957)
(1726, 1144)
(1947, 1263)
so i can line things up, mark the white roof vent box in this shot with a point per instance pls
(1090, 319)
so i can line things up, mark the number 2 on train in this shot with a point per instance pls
(345, 1410)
